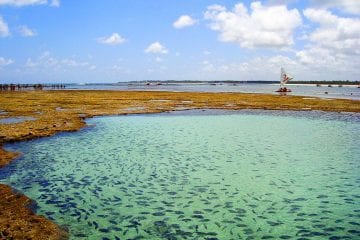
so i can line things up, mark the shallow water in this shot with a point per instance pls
(247, 175)
(346, 92)
(11, 120)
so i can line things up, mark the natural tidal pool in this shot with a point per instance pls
(10, 120)
(203, 175)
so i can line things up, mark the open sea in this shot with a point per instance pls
(198, 175)
(346, 91)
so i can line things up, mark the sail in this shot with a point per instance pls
(284, 77)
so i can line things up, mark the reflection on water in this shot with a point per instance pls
(254, 175)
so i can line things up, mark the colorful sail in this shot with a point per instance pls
(284, 77)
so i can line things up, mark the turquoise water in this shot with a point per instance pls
(205, 175)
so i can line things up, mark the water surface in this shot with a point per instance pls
(247, 175)
(11, 120)
(346, 91)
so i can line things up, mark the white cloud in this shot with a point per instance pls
(157, 48)
(317, 64)
(280, 2)
(25, 31)
(20, 3)
(317, 57)
(55, 3)
(264, 26)
(70, 62)
(327, 64)
(112, 40)
(46, 62)
(334, 48)
(350, 6)
(30, 63)
(208, 67)
(216, 8)
(339, 34)
(184, 21)
(5, 62)
(158, 59)
(259, 68)
(262, 68)
(4, 29)
(118, 69)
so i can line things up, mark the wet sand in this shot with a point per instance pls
(56, 111)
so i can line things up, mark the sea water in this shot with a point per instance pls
(215, 175)
(346, 91)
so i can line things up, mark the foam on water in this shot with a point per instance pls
(254, 175)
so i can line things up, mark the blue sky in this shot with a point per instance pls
(112, 40)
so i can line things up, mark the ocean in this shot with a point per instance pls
(344, 92)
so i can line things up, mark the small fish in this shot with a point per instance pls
(95, 224)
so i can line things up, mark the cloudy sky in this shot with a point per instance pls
(125, 40)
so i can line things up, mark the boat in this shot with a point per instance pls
(284, 78)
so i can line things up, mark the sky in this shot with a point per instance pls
(91, 41)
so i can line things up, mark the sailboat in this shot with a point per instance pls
(284, 78)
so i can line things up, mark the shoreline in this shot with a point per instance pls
(66, 110)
